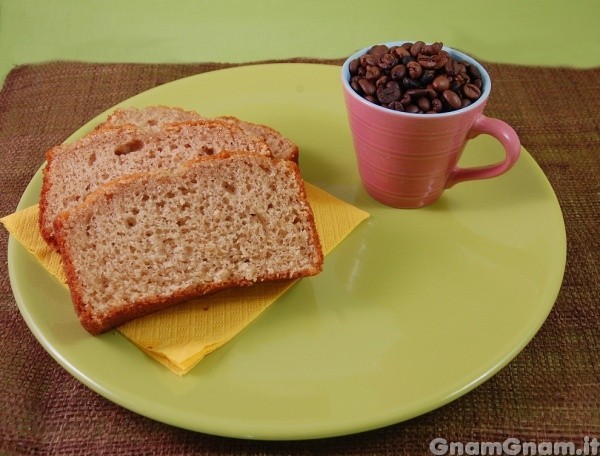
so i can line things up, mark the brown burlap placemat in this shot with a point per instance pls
(549, 393)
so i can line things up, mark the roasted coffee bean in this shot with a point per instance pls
(398, 72)
(441, 83)
(451, 68)
(427, 77)
(409, 83)
(413, 109)
(368, 59)
(471, 91)
(389, 92)
(462, 79)
(378, 50)
(427, 62)
(415, 77)
(396, 106)
(440, 60)
(437, 47)
(367, 86)
(407, 59)
(474, 72)
(453, 100)
(383, 80)
(424, 104)
(373, 72)
(416, 48)
(436, 105)
(414, 70)
(455, 85)
(417, 93)
(355, 85)
(401, 52)
(388, 61)
(428, 49)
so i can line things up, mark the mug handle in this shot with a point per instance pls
(503, 133)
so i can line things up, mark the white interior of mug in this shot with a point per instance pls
(456, 55)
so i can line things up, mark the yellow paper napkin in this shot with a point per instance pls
(180, 336)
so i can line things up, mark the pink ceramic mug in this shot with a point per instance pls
(407, 160)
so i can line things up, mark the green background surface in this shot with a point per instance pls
(540, 32)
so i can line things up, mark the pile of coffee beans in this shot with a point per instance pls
(416, 78)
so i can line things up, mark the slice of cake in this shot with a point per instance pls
(144, 242)
(155, 117)
(76, 169)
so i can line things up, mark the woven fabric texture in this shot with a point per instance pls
(549, 392)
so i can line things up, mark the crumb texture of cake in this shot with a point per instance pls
(155, 117)
(76, 169)
(148, 241)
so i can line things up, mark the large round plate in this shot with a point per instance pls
(414, 309)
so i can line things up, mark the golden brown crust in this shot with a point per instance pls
(47, 234)
(127, 313)
(69, 268)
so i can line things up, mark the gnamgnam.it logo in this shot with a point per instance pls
(589, 446)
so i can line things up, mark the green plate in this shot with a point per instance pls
(414, 309)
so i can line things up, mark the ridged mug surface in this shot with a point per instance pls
(406, 160)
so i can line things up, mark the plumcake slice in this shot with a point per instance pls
(155, 117)
(76, 169)
(148, 241)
